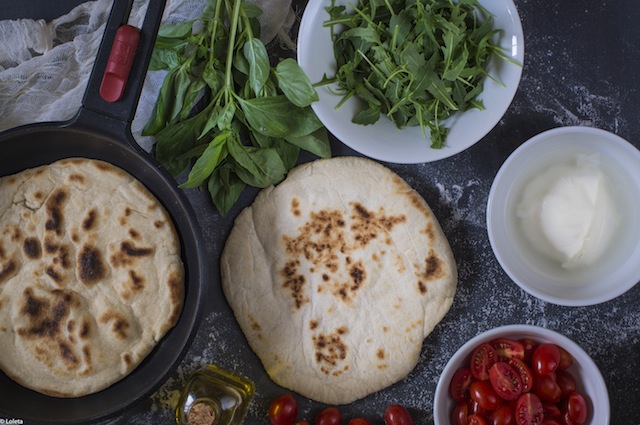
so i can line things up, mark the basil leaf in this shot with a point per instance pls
(258, 167)
(179, 30)
(160, 115)
(225, 187)
(177, 139)
(256, 54)
(295, 84)
(204, 166)
(278, 117)
(317, 143)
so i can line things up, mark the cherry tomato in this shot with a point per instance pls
(503, 415)
(460, 414)
(397, 415)
(566, 360)
(551, 421)
(507, 348)
(484, 394)
(329, 416)
(566, 382)
(476, 420)
(302, 422)
(360, 421)
(551, 411)
(482, 358)
(475, 409)
(545, 359)
(529, 347)
(283, 410)
(545, 387)
(460, 383)
(529, 410)
(576, 409)
(505, 380)
(526, 376)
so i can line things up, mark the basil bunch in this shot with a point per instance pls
(257, 118)
(416, 61)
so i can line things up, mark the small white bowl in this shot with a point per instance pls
(616, 270)
(589, 381)
(383, 140)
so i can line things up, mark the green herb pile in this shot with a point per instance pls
(256, 117)
(416, 61)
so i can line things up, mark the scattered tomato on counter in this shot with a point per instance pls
(509, 382)
(283, 410)
(329, 416)
(397, 415)
(360, 421)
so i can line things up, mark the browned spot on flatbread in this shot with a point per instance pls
(90, 221)
(380, 353)
(330, 350)
(55, 211)
(90, 266)
(176, 295)
(7, 270)
(54, 275)
(136, 281)
(368, 225)
(295, 207)
(129, 253)
(127, 359)
(432, 269)
(31, 248)
(295, 282)
(68, 355)
(85, 330)
(134, 234)
(45, 315)
(119, 323)
(77, 178)
(159, 224)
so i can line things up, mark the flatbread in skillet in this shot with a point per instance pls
(336, 276)
(91, 276)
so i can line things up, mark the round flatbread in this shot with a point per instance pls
(91, 276)
(336, 276)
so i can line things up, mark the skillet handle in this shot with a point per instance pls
(124, 109)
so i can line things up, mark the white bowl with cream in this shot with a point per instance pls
(562, 216)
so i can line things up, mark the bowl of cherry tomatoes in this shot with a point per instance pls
(521, 375)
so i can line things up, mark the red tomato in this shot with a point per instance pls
(525, 374)
(575, 409)
(460, 383)
(302, 422)
(566, 382)
(505, 380)
(503, 415)
(482, 358)
(545, 358)
(545, 387)
(551, 421)
(397, 415)
(529, 347)
(360, 421)
(566, 360)
(283, 410)
(476, 420)
(507, 348)
(329, 416)
(460, 414)
(551, 411)
(529, 410)
(483, 393)
(475, 409)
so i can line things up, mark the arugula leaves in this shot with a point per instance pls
(256, 119)
(416, 61)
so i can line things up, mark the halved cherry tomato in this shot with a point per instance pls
(482, 358)
(507, 348)
(460, 383)
(505, 380)
(329, 416)
(526, 376)
(476, 420)
(283, 410)
(460, 414)
(397, 415)
(360, 421)
(529, 410)
(476, 409)
(575, 409)
(545, 359)
(484, 394)
(503, 415)
(545, 387)
(566, 360)
(551, 421)
(566, 382)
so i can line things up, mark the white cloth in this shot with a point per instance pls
(44, 66)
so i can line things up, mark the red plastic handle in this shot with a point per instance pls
(116, 73)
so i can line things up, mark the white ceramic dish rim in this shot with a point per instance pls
(380, 141)
(622, 281)
(443, 403)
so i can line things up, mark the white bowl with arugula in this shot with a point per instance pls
(434, 93)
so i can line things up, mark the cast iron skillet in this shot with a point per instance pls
(101, 130)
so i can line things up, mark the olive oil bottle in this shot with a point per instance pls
(214, 396)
